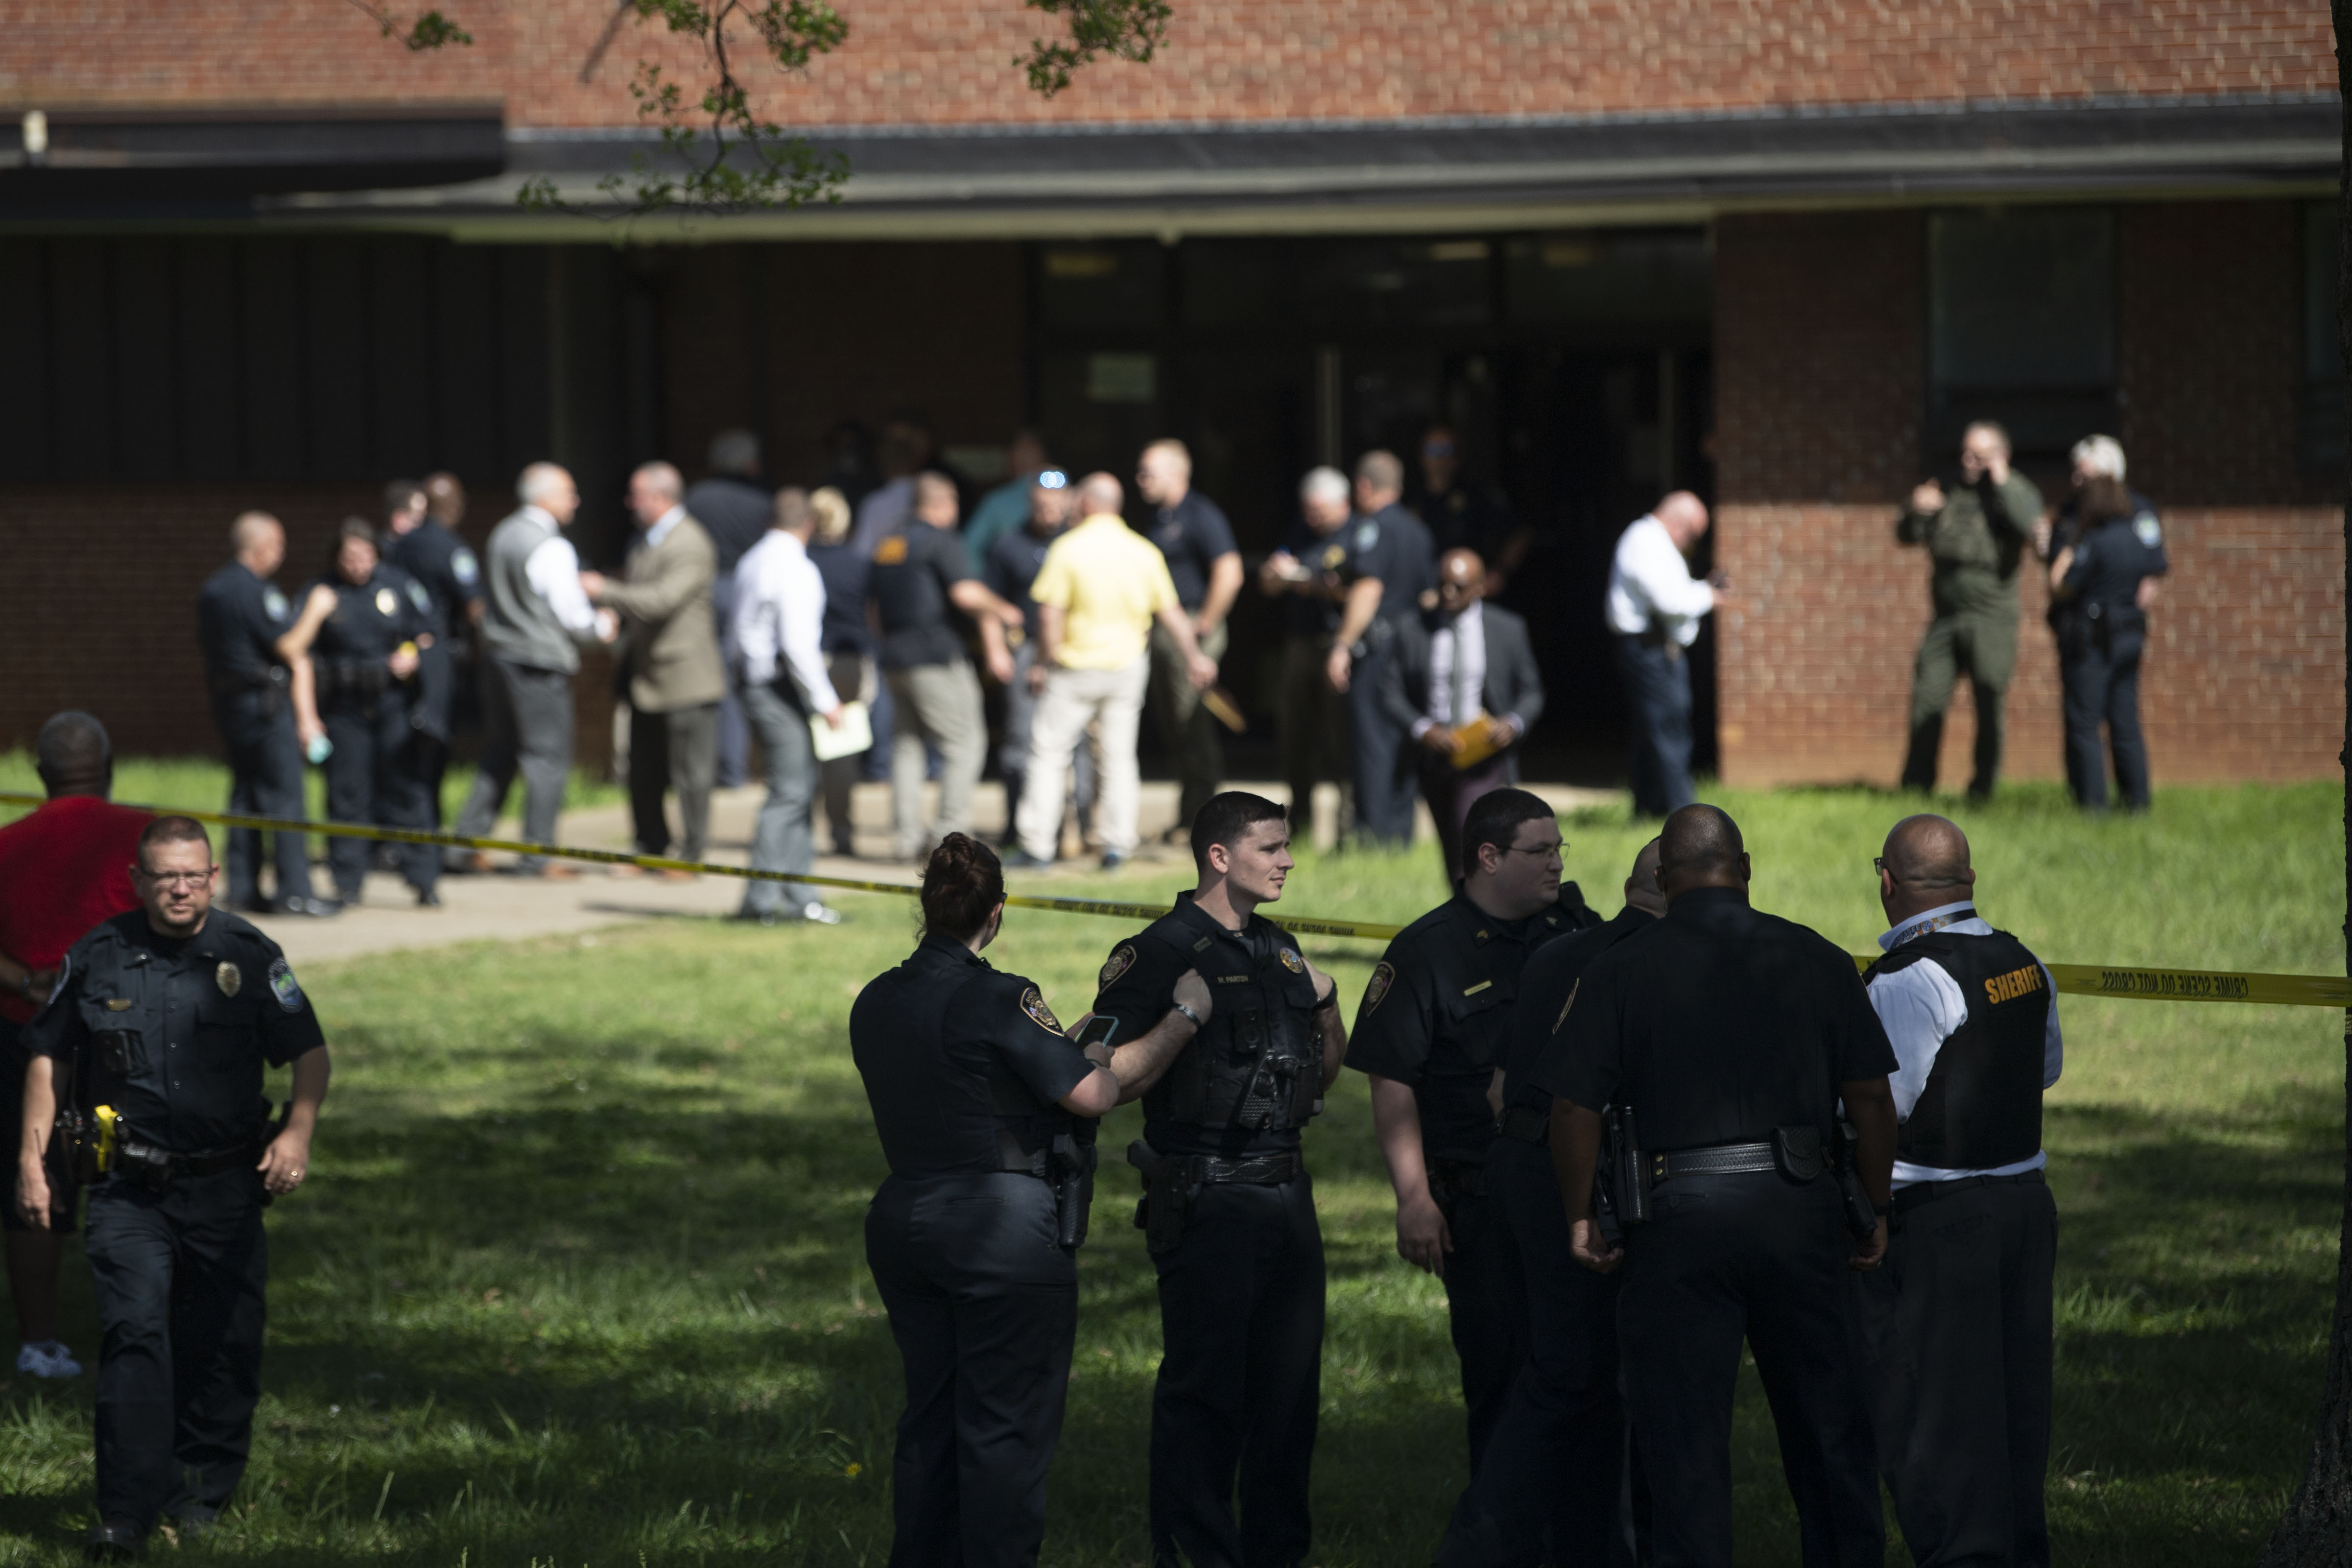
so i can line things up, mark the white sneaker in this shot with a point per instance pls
(823, 915)
(47, 1359)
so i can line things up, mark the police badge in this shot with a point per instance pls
(1121, 960)
(229, 977)
(1383, 977)
(387, 602)
(1039, 1013)
(1293, 963)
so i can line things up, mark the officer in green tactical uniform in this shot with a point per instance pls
(1975, 537)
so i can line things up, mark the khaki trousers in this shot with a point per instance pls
(1073, 699)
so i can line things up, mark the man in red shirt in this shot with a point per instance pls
(62, 869)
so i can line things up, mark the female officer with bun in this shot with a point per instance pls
(984, 1108)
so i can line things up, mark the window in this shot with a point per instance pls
(2322, 350)
(2020, 326)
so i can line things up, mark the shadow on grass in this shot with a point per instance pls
(607, 1319)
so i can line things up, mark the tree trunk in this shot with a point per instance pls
(2317, 1530)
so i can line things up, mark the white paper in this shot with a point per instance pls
(855, 734)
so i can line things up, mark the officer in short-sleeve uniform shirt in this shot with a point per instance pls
(452, 577)
(934, 690)
(2101, 632)
(174, 1034)
(1730, 1031)
(1434, 1018)
(1959, 1319)
(1555, 1455)
(1229, 1223)
(965, 1066)
(1194, 535)
(239, 618)
(385, 731)
(1392, 545)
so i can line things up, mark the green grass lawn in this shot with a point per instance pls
(579, 1277)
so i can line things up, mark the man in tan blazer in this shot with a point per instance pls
(670, 658)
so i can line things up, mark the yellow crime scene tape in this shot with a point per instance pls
(2125, 983)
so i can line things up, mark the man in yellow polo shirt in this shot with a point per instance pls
(1100, 588)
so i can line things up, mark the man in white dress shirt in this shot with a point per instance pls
(1958, 1323)
(773, 646)
(535, 617)
(1654, 608)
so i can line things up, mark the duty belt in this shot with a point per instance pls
(1213, 1170)
(133, 1159)
(1720, 1160)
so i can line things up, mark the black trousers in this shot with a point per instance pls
(984, 1303)
(1957, 1324)
(2103, 688)
(1486, 1311)
(1752, 1256)
(380, 771)
(1658, 696)
(180, 1278)
(1547, 1486)
(264, 761)
(1241, 1321)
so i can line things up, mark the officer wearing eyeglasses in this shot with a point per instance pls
(150, 1053)
(1430, 1034)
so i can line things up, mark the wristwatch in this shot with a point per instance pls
(1198, 1022)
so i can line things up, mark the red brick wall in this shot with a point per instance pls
(102, 584)
(1821, 366)
(1225, 59)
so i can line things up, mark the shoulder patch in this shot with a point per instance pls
(1383, 976)
(464, 567)
(891, 551)
(1292, 962)
(273, 602)
(229, 977)
(1564, 1007)
(1042, 1015)
(1121, 960)
(282, 985)
(2150, 531)
(419, 598)
(1367, 535)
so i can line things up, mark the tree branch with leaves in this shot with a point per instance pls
(718, 155)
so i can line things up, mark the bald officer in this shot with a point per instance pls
(1959, 1321)
(1730, 1035)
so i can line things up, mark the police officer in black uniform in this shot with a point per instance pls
(240, 615)
(359, 650)
(1228, 1212)
(2097, 608)
(984, 1109)
(1430, 1034)
(149, 1056)
(1958, 1323)
(446, 568)
(1549, 1488)
(1725, 1039)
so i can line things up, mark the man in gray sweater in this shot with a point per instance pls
(534, 621)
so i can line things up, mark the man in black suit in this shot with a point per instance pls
(1463, 681)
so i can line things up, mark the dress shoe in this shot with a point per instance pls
(428, 897)
(309, 908)
(114, 1541)
(1113, 860)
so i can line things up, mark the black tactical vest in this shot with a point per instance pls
(1982, 1105)
(1259, 1064)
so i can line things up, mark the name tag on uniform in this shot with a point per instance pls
(1233, 979)
(118, 1003)
(1473, 990)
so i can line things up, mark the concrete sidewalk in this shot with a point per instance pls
(502, 908)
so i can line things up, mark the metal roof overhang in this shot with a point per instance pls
(1305, 177)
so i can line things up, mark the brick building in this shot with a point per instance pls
(1778, 252)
